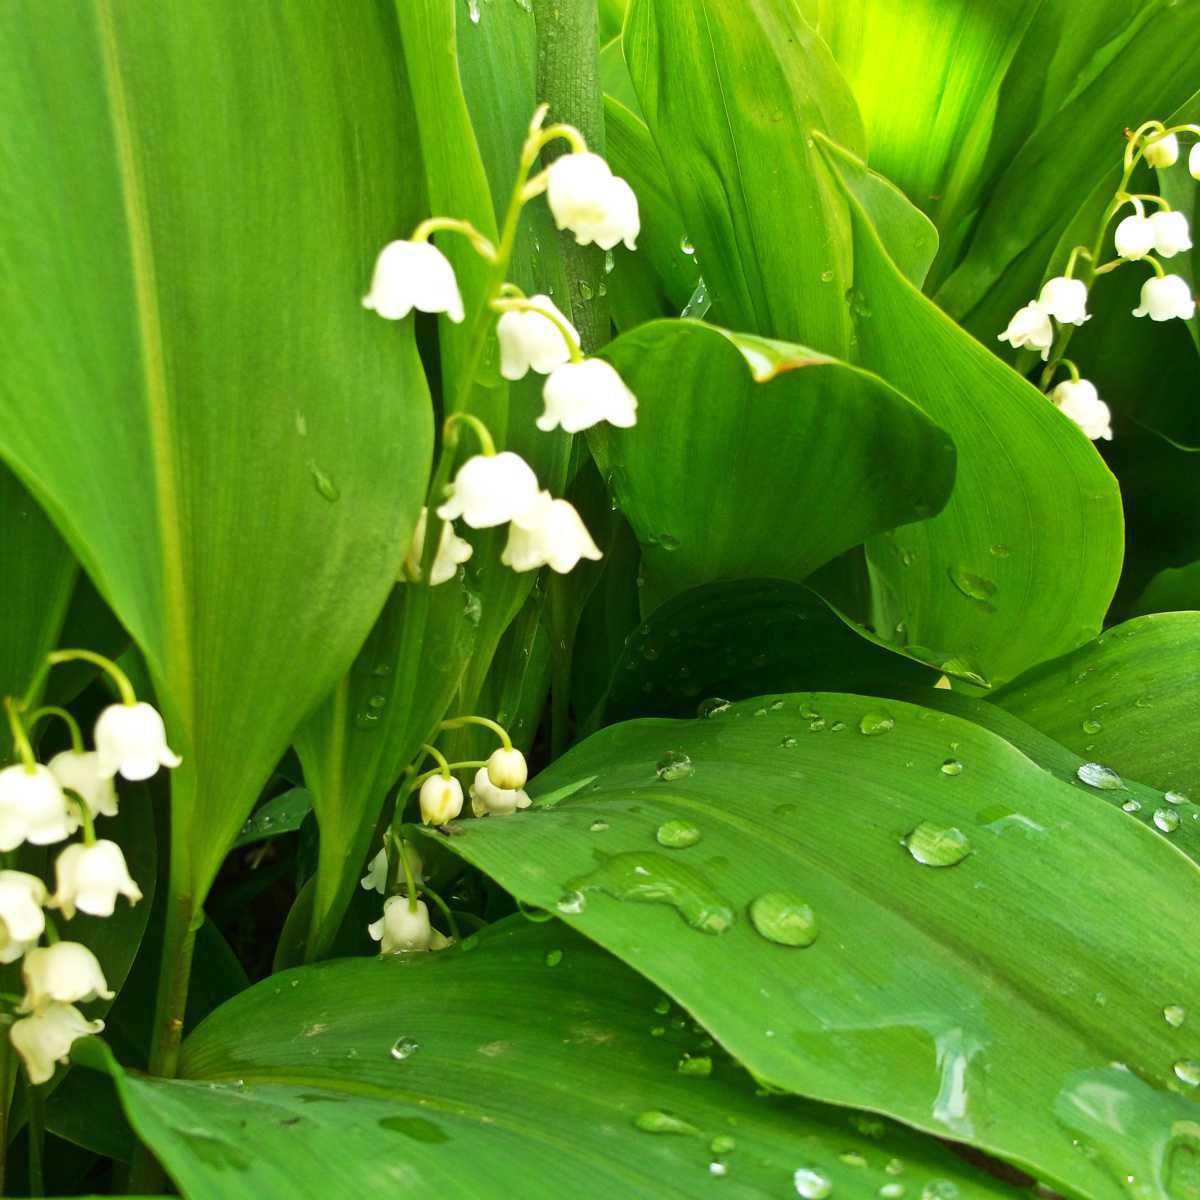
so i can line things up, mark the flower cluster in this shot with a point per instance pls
(1138, 237)
(492, 489)
(43, 804)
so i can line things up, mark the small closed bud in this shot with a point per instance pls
(490, 490)
(65, 973)
(131, 740)
(1164, 152)
(489, 800)
(45, 1038)
(401, 929)
(1166, 298)
(1134, 237)
(90, 878)
(412, 275)
(22, 921)
(507, 768)
(1080, 401)
(441, 799)
(1030, 327)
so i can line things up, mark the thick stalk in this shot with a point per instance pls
(568, 80)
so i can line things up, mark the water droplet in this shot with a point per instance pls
(952, 767)
(939, 1189)
(817, 726)
(653, 878)
(811, 1184)
(654, 1120)
(668, 541)
(776, 705)
(324, 485)
(974, 587)
(838, 726)
(473, 11)
(1132, 806)
(553, 957)
(891, 1191)
(404, 1047)
(873, 723)
(1175, 798)
(686, 247)
(1166, 819)
(785, 918)
(699, 1064)
(723, 1144)
(662, 1007)
(1174, 1015)
(301, 425)
(585, 290)
(712, 707)
(1091, 725)
(999, 550)
(717, 1168)
(598, 826)
(895, 1166)
(609, 260)
(573, 902)
(699, 303)
(1187, 1070)
(674, 765)
(937, 845)
(852, 1159)
(1097, 776)
(677, 834)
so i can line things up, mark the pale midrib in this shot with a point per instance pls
(177, 649)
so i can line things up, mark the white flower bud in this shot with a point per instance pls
(22, 921)
(507, 768)
(65, 973)
(33, 808)
(399, 929)
(1080, 401)
(451, 551)
(131, 740)
(46, 1038)
(1134, 237)
(528, 339)
(375, 880)
(89, 878)
(1171, 234)
(1065, 300)
(550, 534)
(81, 773)
(412, 275)
(1030, 327)
(1194, 161)
(487, 799)
(441, 799)
(491, 490)
(1165, 298)
(593, 203)
(1164, 152)
(579, 395)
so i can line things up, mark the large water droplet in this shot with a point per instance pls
(891, 1191)
(1091, 725)
(1187, 1070)
(404, 1047)
(699, 1064)
(654, 1120)
(785, 918)
(1174, 1015)
(653, 878)
(553, 957)
(952, 767)
(875, 723)
(325, 486)
(974, 587)
(1131, 806)
(723, 1144)
(598, 826)
(677, 834)
(939, 1189)
(674, 765)
(698, 304)
(1098, 776)
(686, 247)
(712, 707)
(811, 1184)
(473, 11)
(1166, 819)
(937, 845)
(1175, 798)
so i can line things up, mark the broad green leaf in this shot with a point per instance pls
(766, 436)
(190, 226)
(963, 999)
(281, 814)
(39, 574)
(983, 585)
(1171, 590)
(733, 94)
(727, 641)
(1127, 699)
(523, 1067)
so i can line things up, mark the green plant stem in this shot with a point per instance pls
(7, 1082)
(37, 1141)
(568, 80)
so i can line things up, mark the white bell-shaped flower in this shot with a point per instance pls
(452, 550)
(441, 799)
(487, 799)
(1171, 234)
(579, 395)
(1065, 300)
(491, 490)
(593, 203)
(1134, 237)
(529, 339)
(90, 878)
(65, 973)
(131, 740)
(375, 880)
(80, 771)
(507, 768)
(550, 534)
(1194, 161)
(33, 808)
(1030, 327)
(45, 1038)
(412, 275)
(1166, 298)
(1081, 402)
(1164, 152)
(400, 930)
(22, 921)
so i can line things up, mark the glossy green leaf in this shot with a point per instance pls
(251, 438)
(1127, 699)
(983, 583)
(523, 1067)
(772, 434)
(964, 1000)
(1174, 589)
(281, 814)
